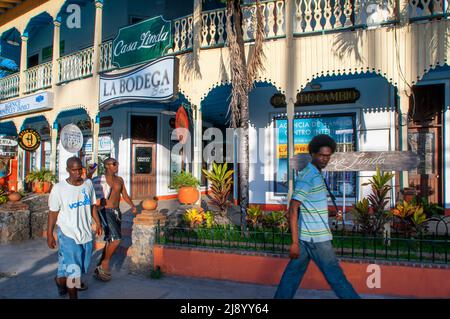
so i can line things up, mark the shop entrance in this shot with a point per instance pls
(143, 156)
(425, 138)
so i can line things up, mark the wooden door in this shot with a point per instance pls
(143, 175)
(426, 142)
(425, 138)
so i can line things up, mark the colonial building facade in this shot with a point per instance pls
(374, 75)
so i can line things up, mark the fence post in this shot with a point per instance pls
(144, 237)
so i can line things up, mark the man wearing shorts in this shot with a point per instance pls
(71, 205)
(109, 188)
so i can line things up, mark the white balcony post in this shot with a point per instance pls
(197, 28)
(23, 64)
(56, 52)
(97, 37)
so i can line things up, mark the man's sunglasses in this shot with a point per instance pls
(113, 163)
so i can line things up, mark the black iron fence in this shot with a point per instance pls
(348, 243)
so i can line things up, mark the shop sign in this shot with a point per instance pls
(106, 121)
(33, 103)
(8, 142)
(363, 161)
(155, 81)
(71, 138)
(141, 42)
(7, 154)
(104, 144)
(29, 139)
(341, 96)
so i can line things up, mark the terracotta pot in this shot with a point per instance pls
(149, 204)
(42, 187)
(188, 195)
(14, 197)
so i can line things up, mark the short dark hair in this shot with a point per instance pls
(109, 159)
(72, 160)
(319, 141)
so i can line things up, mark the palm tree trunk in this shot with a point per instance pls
(244, 118)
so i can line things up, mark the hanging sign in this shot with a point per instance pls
(71, 138)
(326, 97)
(363, 161)
(141, 42)
(29, 139)
(37, 102)
(182, 122)
(156, 81)
(8, 142)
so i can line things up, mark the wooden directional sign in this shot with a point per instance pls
(363, 161)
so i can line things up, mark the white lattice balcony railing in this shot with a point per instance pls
(328, 15)
(214, 23)
(76, 66)
(274, 20)
(426, 9)
(38, 77)
(183, 29)
(9, 86)
(106, 56)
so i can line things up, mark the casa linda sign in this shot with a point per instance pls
(71, 138)
(33, 103)
(141, 42)
(155, 81)
(29, 140)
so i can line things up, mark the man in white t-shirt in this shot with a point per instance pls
(71, 205)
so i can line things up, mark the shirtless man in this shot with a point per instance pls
(109, 188)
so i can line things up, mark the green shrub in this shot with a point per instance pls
(184, 179)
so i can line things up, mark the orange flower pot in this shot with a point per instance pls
(188, 195)
(14, 197)
(149, 204)
(42, 187)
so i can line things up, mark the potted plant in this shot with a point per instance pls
(221, 182)
(42, 180)
(186, 185)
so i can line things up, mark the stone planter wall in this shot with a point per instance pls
(14, 222)
(23, 220)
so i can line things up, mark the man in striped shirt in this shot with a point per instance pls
(311, 235)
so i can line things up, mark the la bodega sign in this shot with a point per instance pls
(155, 81)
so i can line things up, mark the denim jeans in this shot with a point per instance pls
(323, 255)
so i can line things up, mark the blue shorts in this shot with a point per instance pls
(73, 258)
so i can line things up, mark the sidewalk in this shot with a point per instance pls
(27, 271)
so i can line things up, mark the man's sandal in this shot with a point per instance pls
(62, 289)
(101, 274)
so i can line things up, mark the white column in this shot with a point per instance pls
(290, 91)
(53, 136)
(56, 52)
(23, 64)
(95, 138)
(197, 161)
(403, 99)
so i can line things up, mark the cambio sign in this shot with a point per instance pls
(155, 81)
